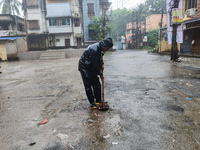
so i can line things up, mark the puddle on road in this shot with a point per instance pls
(172, 108)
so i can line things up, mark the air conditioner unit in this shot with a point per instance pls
(191, 12)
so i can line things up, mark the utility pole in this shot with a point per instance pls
(161, 18)
(174, 49)
(136, 35)
(160, 46)
(133, 18)
(25, 23)
(103, 14)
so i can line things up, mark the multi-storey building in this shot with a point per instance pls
(53, 24)
(153, 21)
(11, 24)
(61, 23)
(64, 23)
(93, 8)
(191, 27)
(135, 34)
(12, 36)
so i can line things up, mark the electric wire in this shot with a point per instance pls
(116, 5)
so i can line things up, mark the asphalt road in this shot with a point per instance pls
(154, 105)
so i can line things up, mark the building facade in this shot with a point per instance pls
(12, 36)
(93, 8)
(134, 34)
(11, 25)
(61, 23)
(54, 24)
(191, 27)
(153, 21)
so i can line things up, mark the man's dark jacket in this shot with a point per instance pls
(91, 60)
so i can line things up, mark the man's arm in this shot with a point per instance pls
(95, 59)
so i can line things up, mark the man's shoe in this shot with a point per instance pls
(100, 102)
(93, 106)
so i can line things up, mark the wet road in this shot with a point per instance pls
(154, 105)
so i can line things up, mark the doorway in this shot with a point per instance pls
(78, 41)
(67, 42)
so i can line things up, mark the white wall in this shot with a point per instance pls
(35, 14)
(16, 46)
(62, 38)
(11, 48)
(21, 45)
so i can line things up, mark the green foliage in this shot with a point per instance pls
(12, 34)
(147, 48)
(156, 47)
(10, 7)
(98, 28)
(119, 19)
(152, 37)
(155, 6)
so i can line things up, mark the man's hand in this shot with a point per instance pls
(102, 77)
(102, 67)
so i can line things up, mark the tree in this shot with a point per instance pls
(98, 28)
(119, 19)
(10, 7)
(155, 6)
(152, 36)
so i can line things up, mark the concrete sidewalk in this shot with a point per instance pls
(50, 54)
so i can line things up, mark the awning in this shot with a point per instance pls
(190, 21)
(9, 38)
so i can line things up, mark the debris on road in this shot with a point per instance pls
(62, 136)
(71, 146)
(114, 143)
(188, 98)
(31, 144)
(189, 84)
(107, 136)
(90, 125)
(90, 121)
(44, 122)
(98, 115)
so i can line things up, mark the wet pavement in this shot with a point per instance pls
(154, 105)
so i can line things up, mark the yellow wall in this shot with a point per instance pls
(3, 53)
(164, 46)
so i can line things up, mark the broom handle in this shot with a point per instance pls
(103, 92)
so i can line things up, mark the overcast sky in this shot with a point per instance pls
(129, 4)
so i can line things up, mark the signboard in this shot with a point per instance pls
(145, 39)
(177, 16)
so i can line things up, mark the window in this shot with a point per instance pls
(53, 22)
(33, 24)
(31, 3)
(77, 22)
(65, 21)
(91, 34)
(90, 9)
(57, 40)
(190, 4)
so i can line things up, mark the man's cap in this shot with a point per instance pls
(107, 42)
